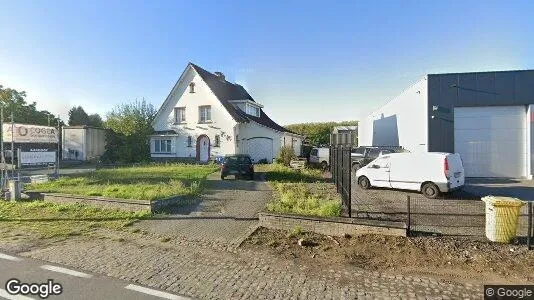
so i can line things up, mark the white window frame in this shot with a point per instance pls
(179, 115)
(204, 114)
(252, 110)
(162, 146)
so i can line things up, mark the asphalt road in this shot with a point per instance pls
(75, 284)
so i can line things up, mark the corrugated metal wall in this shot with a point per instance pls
(472, 89)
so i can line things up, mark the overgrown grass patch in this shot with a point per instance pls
(281, 173)
(298, 198)
(144, 182)
(301, 192)
(49, 220)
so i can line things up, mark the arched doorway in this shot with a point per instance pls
(203, 148)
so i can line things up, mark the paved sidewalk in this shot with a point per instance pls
(208, 273)
(222, 216)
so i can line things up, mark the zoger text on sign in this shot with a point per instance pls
(24, 133)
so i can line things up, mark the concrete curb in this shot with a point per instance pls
(332, 226)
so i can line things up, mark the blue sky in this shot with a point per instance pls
(304, 60)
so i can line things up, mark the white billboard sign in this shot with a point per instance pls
(37, 157)
(24, 133)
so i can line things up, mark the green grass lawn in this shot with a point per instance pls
(149, 182)
(47, 220)
(303, 192)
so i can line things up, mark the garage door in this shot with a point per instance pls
(260, 148)
(491, 140)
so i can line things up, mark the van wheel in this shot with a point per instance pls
(355, 167)
(364, 183)
(430, 190)
(324, 165)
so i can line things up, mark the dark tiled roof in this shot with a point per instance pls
(226, 91)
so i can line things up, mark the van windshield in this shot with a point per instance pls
(314, 152)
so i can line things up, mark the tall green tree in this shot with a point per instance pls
(78, 116)
(318, 132)
(130, 127)
(15, 101)
(95, 120)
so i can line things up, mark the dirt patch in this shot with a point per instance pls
(445, 258)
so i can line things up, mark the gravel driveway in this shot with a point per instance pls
(222, 216)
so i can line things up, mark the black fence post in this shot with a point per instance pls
(342, 173)
(409, 215)
(350, 183)
(529, 238)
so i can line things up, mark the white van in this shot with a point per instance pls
(430, 173)
(320, 156)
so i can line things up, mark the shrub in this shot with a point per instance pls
(286, 155)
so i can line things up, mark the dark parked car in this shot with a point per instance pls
(361, 156)
(239, 165)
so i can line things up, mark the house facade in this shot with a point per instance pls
(205, 116)
(486, 117)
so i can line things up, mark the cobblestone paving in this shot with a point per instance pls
(221, 217)
(198, 262)
(207, 273)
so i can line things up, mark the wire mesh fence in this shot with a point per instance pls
(341, 173)
(456, 214)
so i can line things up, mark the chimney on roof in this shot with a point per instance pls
(220, 75)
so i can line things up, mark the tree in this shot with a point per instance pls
(130, 127)
(319, 132)
(78, 116)
(15, 101)
(95, 120)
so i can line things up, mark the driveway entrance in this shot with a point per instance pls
(223, 215)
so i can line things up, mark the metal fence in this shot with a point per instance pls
(340, 163)
(455, 214)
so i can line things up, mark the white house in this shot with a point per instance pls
(206, 116)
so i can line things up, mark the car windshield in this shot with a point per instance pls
(358, 150)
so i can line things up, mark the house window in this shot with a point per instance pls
(217, 141)
(192, 87)
(162, 146)
(179, 115)
(204, 114)
(189, 141)
(252, 110)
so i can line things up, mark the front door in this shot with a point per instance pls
(203, 148)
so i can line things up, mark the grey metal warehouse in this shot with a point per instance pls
(487, 117)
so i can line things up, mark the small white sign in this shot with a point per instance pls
(37, 157)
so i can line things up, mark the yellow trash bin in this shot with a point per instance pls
(502, 214)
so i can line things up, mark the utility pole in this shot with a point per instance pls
(58, 147)
(12, 146)
(3, 159)
(48, 118)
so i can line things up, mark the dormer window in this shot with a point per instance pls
(253, 110)
(249, 107)
(192, 87)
